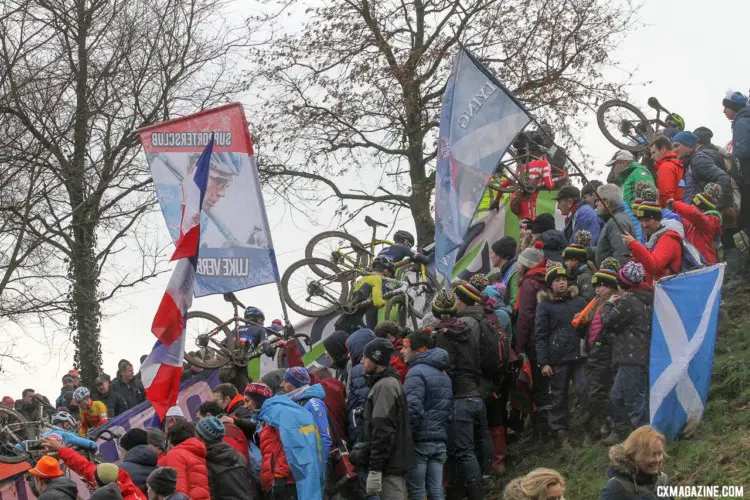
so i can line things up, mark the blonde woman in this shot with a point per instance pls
(539, 484)
(635, 467)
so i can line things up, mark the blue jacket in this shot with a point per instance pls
(583, 219)
(312, 400)
(741, 135)
(429, 394)
(356, 390)
(702, 167)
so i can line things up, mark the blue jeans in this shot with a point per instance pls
(430, 457)
(629, 398)
(468, 442)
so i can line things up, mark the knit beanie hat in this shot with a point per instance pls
(379, 351)
(505, 247)
(554, 270)
(297, 376)
(734, 101)
(605, 277)
(133, 438)
(418, 340)
(577, 252)
(210, 429)
(106, 473)
(706, 200)
(496, 293)
(610, 263)
(468, 294)
(640, 187)
(157, 437)
(583, 238)
(542, 223)
(530, 257)
(630, 275)
(444, 304)
(259, 389)
(686, 137)
(648, 210)
(704, 135)
(479, 281)
(162, 481)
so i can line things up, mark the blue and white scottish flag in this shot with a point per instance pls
(686, 314)
(478, 122)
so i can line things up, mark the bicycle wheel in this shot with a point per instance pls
(338, 248)
(309, 293)
(206, 338)
(14, 429)
(618, 121)
(396, 310)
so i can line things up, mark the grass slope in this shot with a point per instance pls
(718, 453)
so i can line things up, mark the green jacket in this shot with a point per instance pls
(635, 172)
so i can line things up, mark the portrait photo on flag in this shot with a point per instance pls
(236, 250)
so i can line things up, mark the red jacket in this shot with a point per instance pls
(701, 229)
(664, 259)
(235, 438)
(397, 362)
(86, 469)
(532, 283)
(669, 173)
(189, 460)
(273, 465)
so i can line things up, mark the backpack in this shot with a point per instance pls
(691, 257)
(494, 348)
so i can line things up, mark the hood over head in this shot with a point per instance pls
(357, 342)
(435, 357)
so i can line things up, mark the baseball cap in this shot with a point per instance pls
(102, 378)
(568, 192)
(46, 468)
(621, 155)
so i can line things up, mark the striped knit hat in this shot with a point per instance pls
(577, 252)
(479, 281)
(630, 275)
(583, 238)
(444, 305)
(647, 210)
(468, 294)
(706, 201)
(554, 270)
(605, 277)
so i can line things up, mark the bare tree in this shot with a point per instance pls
(80, 76)
(357, 89)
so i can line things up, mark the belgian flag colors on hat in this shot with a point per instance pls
(554, 271)
(648, 210)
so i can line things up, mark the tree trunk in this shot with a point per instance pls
(420, 211)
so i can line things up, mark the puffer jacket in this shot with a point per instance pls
(531, 284)
(628, 323)
(557, 342)
(429, 393)
(662, 254)
(701, 168)
(669, 178)
(741, 141)
(554, 243)
(227, 472)
(139, 462)
(87, 470)
(626, 482)
(60, 488)
(610, 242)
(460, 339)
(357, 389)
(386, 426)
(189, 460)
(274, 465)
(311, 399)
(702, 229)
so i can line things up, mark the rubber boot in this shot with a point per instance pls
(498, 442)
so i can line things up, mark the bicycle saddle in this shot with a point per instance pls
(373, 223)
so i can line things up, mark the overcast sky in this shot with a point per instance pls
(691, 53)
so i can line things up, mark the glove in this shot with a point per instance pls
(374, 482)
(278, 489)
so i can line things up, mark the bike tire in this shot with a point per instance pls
(15, 458)
(363, 259)
(403, 314)
(332, 274)
(614, 103)
(221, 358)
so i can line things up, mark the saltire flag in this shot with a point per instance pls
(685, 319)
(479, 120)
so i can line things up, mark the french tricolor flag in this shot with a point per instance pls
(162, 370)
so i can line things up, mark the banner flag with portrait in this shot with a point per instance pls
(236, 251)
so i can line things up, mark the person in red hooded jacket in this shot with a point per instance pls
(390, 331)
(96, 476)
(662, 254)
(188, 457)
(701, 220)
(669, 170)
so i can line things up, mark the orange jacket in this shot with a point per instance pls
(669, 173)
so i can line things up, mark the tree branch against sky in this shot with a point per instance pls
(355, 91)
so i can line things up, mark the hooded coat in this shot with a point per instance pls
(741, 141)
(556, 340)
(669, 178)
(626, 483)
(429, 394)
(139, 462)
(227, 472)
(610, 242)
(583, 218)
(108, 492)
(554, 243)
(532, 283)
(189, 460)
(60, 488)
(311, 399)
(335, 346)
(662, 254)
(702, 167)
(460, 339)
(701, 229)
(357, 389)
(628, 324)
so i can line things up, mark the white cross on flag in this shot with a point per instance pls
(686, 313)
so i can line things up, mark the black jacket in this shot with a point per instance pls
(628, 322)
(227, 472)
(583, 275)
(133, 393)
(386, 426)
(114, 402)
(60, 488)
(557, 342)
(139, 462)
(554, 243)
(701, 168)
(610, 239)
(109, 492)
(460, 338)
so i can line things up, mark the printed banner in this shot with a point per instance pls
(236, 251)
